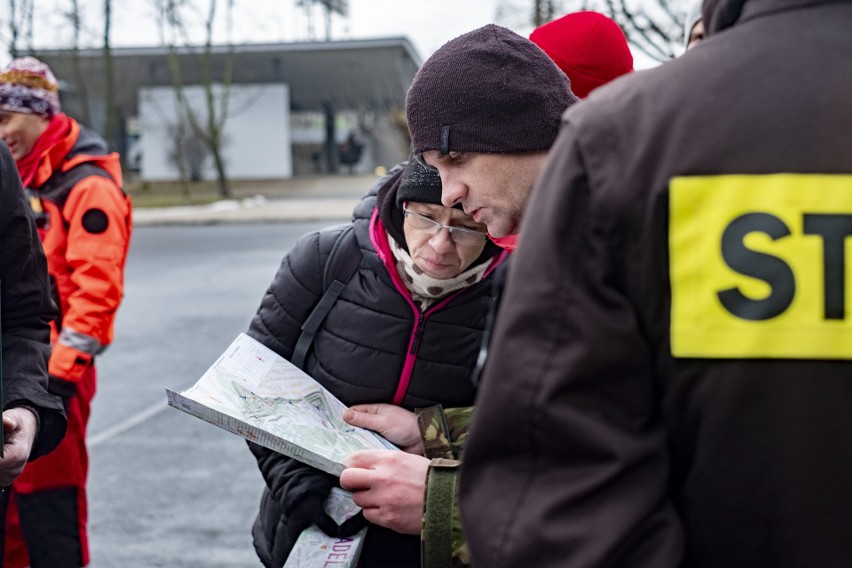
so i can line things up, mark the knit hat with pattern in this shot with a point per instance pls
(589, 47)
(27, 85)
(489, 90)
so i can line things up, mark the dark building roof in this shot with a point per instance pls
(371, 74)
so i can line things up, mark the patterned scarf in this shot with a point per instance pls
(426, 290)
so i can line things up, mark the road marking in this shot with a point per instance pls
(127, 424)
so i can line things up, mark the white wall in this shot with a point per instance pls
(256, 134)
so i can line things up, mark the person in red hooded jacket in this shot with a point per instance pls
(589, 47)
(84, 220)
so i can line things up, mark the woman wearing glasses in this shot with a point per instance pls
(405, 330)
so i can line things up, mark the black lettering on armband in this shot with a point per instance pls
(759, 265)
(834, 229)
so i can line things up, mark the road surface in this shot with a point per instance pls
(166, 489)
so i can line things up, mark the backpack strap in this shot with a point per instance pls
(342, 263)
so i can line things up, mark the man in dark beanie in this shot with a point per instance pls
(670, 379)
(484, 110)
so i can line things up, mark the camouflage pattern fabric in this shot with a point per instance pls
(444, 432)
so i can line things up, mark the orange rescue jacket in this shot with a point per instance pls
(85, 222)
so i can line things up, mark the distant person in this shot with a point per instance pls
(84, 220)
(405, 330)
(693, 31)
(33, 420)
(350, 151)
(669, 379)
(588, 47)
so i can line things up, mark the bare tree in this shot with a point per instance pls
(329, 7)
(28, 17)
(109, 79)
(189, 153)
(654, 27)
(20, 24)
(75, 17)
(210, 130)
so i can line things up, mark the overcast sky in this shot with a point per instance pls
(428, 24)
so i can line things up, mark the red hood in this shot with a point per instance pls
(588, 47)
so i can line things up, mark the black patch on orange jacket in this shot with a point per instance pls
(95, 221)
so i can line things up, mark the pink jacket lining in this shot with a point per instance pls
(379, 240)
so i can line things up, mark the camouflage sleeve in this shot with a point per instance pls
(444, 430)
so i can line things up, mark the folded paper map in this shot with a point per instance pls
(257, 394)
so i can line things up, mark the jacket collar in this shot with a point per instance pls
(722, 14)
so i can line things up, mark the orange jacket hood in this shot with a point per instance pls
(81, 145)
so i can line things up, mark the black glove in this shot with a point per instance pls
(309, 510)
(63, 389)
(351, 525)
(302, 506)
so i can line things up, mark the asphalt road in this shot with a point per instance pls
(166, 489)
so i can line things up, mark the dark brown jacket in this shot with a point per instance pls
(25, 312)
(615, 430)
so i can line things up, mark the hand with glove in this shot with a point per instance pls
(303, 507)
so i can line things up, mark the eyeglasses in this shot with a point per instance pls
(460, 235)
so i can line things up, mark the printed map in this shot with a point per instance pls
(253, 392)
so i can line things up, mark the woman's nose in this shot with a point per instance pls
(442, 241)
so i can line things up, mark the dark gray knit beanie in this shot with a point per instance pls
(416, 183)
(489, 90)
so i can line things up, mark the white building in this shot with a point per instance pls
(256, 142)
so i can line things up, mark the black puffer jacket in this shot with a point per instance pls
(374, 346)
